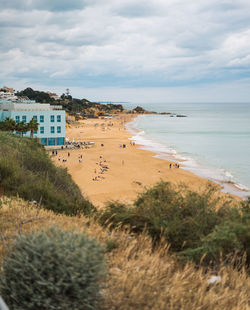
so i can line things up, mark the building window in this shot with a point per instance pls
(34, 132)
(17, 119)
(52, 118)
(41, 129)
(59, 118)
(24, 118)
(52, 129)
(51, 141)
(35, 117)
(58, 129)
(41, 118)
(60, 141)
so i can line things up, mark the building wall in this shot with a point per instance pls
(45, 132)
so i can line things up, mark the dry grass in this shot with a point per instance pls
(138, 278)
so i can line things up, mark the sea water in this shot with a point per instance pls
(212, 141)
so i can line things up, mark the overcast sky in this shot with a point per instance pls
(128, 50)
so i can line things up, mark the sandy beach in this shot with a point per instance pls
(114, 168)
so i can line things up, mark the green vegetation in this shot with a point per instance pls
(27, 170)
(192, 223)
(53, 269)
(71, 105)
(38, 96)
(10, 125)
(90, 108)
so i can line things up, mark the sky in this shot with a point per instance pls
(128, 50)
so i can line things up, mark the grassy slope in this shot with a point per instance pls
(26, 170)
(138, 279)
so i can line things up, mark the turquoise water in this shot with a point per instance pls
(213, 141)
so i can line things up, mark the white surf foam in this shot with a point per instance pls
(221, 176)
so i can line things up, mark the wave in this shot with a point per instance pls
(223, 177)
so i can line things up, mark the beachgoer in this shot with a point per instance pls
(170, 166)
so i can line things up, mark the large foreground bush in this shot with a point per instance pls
(53, 269)
(27, 170)
(192, 223)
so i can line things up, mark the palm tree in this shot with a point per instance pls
(8, 125)
(22, 127)
(32, 126)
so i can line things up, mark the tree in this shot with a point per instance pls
(32, 126)
(8, 125)
(22, 127)
(38, 96)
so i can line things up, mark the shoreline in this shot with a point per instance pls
(108, 171)
(228, 187)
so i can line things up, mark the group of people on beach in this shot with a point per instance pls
(174, 165)
(64, 160)
(103, 168)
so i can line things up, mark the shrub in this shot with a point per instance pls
(182, 216)
(190, 222)
(53, 269)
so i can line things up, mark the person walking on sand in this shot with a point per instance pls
(170, 166)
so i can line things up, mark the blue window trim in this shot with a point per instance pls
(52, 129)
(52, 118)
(41, 129)
(41, 118)
(58, 129)
(58, 118)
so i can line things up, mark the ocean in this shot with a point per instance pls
(212, 141)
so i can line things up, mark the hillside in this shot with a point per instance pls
(26, 170)
(71, 105)
(138, 277)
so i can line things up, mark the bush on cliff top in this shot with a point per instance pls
(190, 222)
(53, 269)
(27, 170)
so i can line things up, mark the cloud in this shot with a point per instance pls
(124, 43)
(46, 5)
